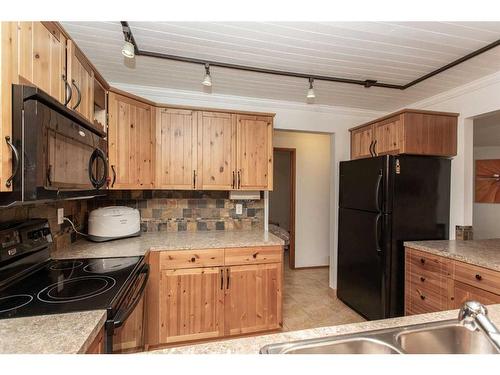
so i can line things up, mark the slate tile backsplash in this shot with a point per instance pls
(179, 211)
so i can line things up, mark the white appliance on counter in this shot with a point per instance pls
(114, 222)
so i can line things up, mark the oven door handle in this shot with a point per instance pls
(123, 316)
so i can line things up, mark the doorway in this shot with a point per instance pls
(282, 200)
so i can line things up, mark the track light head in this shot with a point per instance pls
(207, 81)
(310, 92)
(128, 50)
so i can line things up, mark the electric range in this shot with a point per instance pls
(33, 284)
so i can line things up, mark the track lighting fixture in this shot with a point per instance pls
(310, 92)
(207, 81)
(128, 50)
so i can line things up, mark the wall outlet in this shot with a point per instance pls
(60, 216)
(239, 209)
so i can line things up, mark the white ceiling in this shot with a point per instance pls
(390, 52)
(487, 130)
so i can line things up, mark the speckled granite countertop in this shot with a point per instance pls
(252, 345)
(165, 241)
(51, 334)
(484, 253)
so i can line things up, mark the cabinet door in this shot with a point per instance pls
(97, 346)
(388, 136)
(42, 57)
(253, 298)
(176, 134)
(255, 152)
(463, 292)
(131, 149)
(130, 336)
(217, 151)
(191, 304)
(81, 79)
(361, 141)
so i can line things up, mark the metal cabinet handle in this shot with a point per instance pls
(221, 279)
(239, 178)
(479, 277)
(371, 148)
(49, 175)
(234, 182)
(94, 158)
(15, 168)
(114, 175)
(79, 100)
(422, 260)
(422, 279)
(194, 180)
(228, 277)
(68, 91)
(422, 297)
(375, 147)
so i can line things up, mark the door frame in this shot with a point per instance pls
(293, 159)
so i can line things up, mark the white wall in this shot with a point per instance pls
(289, 116)
(312, 207)
(486, 216)
(473, 99)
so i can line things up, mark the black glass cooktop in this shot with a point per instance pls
(62, 286)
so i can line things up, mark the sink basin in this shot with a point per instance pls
(452, 339)
(351, 346)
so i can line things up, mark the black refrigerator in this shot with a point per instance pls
(383, 202)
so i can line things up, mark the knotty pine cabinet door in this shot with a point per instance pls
(131, 143)
(216, 151)
(361, 142)
(253, 298)
(388, 136)
(42, 57)
(176, 137)
(81, 79)
(255, 152)
(191, 304)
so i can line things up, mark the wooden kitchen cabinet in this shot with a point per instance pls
(130, 337)
(176, 146)
(253, 298)
(210, 293)
(434, 283)
(216, 151)
(408, 131)
(97, 346)
(254, 152)
(42, 57)
(81, 79)
(131, 135)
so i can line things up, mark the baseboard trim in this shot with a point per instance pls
(332, 292)
(310, 268)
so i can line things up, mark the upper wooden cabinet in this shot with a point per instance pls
(81, 80)
(255, 152)
(42, 57)
(216, 151)
(407, 132)
(131, 143)
(176, 135)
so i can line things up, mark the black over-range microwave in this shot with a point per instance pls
(56, 153)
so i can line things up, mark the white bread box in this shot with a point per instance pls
(113, 222)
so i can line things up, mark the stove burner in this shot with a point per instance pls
(109, 265)
(14, 302)
(76, 289)
(66, 265)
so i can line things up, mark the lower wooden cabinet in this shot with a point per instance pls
(191, 303)
(97, 346)
(434, 283)
(188, 300)
(253, 298)
(130, 336)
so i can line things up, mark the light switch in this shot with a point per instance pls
(239, 208)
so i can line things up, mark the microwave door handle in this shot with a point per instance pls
(122, 316)
(15, 168)
(96, 155)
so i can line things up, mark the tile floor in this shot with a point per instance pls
(307, 302)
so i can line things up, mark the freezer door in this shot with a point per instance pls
(365, 184)
(363, 255)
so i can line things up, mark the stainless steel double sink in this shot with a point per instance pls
(446, 337)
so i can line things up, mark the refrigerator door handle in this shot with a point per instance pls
(377, 239)
(377, 191)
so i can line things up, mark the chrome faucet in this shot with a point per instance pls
(474, 316)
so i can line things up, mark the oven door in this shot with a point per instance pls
(125, 331)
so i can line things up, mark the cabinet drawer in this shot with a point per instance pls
(428, 282)
(191, 258)
(253, 255)
(424, 262)
(424, 300)
(479, 277)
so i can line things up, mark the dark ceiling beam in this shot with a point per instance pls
(127, 32)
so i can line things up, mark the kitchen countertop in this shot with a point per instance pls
(70, 333)
(483, 253)
(165, 241)
(252, 345)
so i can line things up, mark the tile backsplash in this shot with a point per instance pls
(192, 211)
